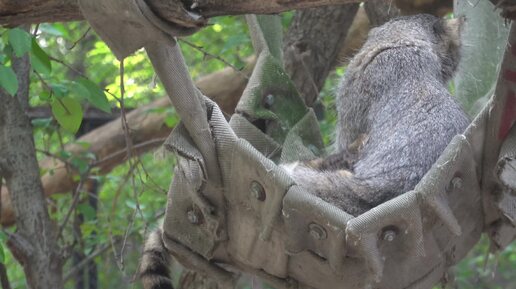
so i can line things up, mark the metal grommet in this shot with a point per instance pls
(389, 236)
(268, 101)
(317, 231)
(456, 183)
(257, 191)
(389, 233)
(194, 216)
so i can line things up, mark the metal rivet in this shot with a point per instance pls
(456, 183)
(257, 191)
(314, 149)
(317, 231)
(269, 100)
(193, 216)
(389, 235)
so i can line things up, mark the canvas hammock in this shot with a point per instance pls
(231, 208)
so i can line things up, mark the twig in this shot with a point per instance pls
(101, 250)
(74, 204)
(117, 154)
(35, 33)
(119, 262)
(154, 183)
(51, 155)
(78, 73)
(129, 145)
(206, 53)
(85, 261)
(80, 38)
(67, 66)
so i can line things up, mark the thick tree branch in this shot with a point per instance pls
(211, 8)
(15, 12)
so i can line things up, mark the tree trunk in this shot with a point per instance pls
(379, 12)
(34, 244)
(312, 44)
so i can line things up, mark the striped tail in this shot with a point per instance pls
(154, 268)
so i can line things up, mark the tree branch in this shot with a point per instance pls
(211, 8)
(16, 12)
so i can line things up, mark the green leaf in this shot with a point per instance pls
(2, 254)
(44, 95)
(60, 90)
(53, 29)
(39, 59)
(8, 80)
(85, 145)
(20, 41)
(64, 154)
(171, 120)
(93, 93)
(80, 164)
(42, 122)
(3, 238)
(68, 113)
(87, 211)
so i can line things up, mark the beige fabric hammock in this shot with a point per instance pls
(230, 207)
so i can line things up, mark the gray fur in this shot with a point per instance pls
(154, 270)
(394, 92)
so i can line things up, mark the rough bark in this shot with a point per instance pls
(147, 132)
(379, 12)
(312, 44)
(356, 37)
(35, 243)
(211, 8)
(16, 12)
(435, 7)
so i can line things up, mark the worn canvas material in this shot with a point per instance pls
(230, 207)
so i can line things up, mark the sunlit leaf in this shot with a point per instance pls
(54, 29)
(8, 80)
(68, 113)
(20, 41)
(39, 59)
(93, 93)
(171, 120)
(44, 95)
